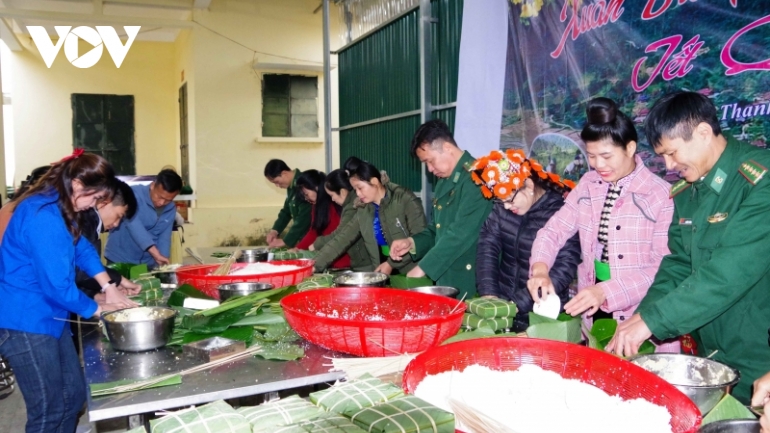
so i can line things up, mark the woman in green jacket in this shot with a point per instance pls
(384, 212)
(338, 186)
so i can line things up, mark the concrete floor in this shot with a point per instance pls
(13, 416)
(12, 412)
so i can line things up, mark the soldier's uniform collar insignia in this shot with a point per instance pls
(678, 188)
(718, 181)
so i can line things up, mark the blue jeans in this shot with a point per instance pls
(49, 376)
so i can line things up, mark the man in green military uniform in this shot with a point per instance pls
(294, 209)
(446, 249)
(715, 284)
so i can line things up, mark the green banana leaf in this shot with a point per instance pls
(216, 323)
(280, 351)
(241, 333)
(262, 319)
(177, 297)
(604, 329)
(272, 295)
(123, 268)
(278, 332)
(470, 335)
(728, 408)
(563, 328)
(99, 389)
(602, 332)
(136, 271)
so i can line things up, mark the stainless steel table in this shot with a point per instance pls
(239, 379)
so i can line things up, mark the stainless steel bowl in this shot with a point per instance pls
(704, 381)
(447, 291)
(361, 279)
(253, 255)
(731, 426)
(227, 291)
(138, 336)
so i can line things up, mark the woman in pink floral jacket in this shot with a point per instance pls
(621, 211)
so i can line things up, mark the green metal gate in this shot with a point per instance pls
(379, 89)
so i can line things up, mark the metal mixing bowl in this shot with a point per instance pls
(447, 291)
(361, 279)
(704, 381)
(227, 291)
(138, 336)
(731, 426)
(253, 255)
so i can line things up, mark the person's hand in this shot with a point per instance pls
(311, 248)
(104, 307)
(761, 394)
(159, 258)
(540, 280)
(113, 295)
(400, 248)
(100, 298)
(587, 300)
(764, 421)
(629, 336)
(129, 287)
(385, 268)
(417, 272)
(277, 243)
(271, 236)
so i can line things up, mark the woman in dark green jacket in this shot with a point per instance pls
(384, 212)
(338, 186)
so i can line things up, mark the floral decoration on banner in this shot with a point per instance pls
(500, 174)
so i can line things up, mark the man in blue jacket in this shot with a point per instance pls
(146, 238)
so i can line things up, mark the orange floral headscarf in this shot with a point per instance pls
(500, 174)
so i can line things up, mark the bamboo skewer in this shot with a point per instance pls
(460, 302)
(136, 386)
(475, 421)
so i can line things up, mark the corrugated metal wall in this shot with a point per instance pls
(446, 55)
(380, 76)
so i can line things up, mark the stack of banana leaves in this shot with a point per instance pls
(254, 319)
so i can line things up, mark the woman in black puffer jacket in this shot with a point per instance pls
(525, 198)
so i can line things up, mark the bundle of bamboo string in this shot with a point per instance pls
(224, 268)
(376, 366)
(474, 421)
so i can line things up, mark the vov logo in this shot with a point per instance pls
(103, 36)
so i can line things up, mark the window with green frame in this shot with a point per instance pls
(289, 106)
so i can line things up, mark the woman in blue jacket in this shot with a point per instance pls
(41, 247)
